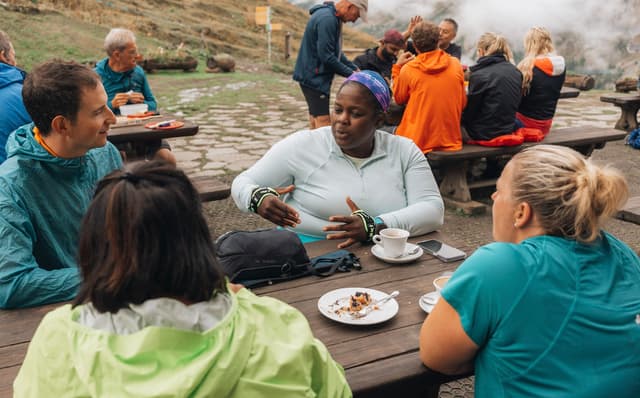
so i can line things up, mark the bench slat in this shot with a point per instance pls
(210, 188)
(631, 211)
(569, 136)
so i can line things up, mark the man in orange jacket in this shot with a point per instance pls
(432, 86)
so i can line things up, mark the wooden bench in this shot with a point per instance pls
(210, 188)
(451, 168)
(569, 92)
(629, 105)
(631, 211)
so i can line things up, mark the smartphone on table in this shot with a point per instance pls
(441, 250)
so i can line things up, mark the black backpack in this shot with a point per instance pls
(266, 256)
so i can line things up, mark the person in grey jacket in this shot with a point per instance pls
(320, 56)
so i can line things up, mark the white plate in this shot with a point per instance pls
(428, 307)
(378, 251)
(333, 300)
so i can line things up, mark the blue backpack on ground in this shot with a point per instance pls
(633, 139)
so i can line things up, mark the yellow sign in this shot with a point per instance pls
(276, 26)
(262, 15)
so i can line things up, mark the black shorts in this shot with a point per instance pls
(317, 102)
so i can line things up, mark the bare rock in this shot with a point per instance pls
(221, 63)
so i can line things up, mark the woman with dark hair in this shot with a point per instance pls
(154, 316)
(348, 180)
(552, 308)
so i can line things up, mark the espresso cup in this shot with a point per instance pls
(440, 282)
(393, 241)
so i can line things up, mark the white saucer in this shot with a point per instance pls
(378, 251)
(428, 307)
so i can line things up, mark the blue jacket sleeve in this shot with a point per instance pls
(23, 282)
(327, 41)
(149, 99)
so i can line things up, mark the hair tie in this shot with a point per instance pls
(130, 177)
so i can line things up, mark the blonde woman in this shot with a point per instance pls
(494, 91)
(552, 309)
(543, 74)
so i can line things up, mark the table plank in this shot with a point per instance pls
(137, 133)
(13, 355)
(7, 375)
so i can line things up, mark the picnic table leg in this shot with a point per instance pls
(587, 150)
(628, 120)
(454, 181)
(455, 190)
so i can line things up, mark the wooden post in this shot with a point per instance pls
(287, 46)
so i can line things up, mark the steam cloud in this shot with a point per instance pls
(597, 34)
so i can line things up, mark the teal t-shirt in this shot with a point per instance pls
(552, 317)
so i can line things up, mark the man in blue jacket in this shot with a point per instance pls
(320, 56)
(47, 182)
(12, 112)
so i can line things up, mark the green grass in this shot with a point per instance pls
(167, 85)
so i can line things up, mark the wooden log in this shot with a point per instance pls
(187, 64)
(626, 84)
(581, 82)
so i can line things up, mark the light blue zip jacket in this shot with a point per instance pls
(42, 201)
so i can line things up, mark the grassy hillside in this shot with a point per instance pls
(75, 29)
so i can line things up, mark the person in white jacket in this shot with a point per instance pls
(346, 181)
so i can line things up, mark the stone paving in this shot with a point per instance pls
(232, 138)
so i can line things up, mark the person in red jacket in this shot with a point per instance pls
(432, 86)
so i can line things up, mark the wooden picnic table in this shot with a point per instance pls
(379, 360)
(569, 92)
(629, 105)
(141, 137)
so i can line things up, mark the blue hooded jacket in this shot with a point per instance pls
(42, 201)
(320, 55)
(121, 82)
(12, 111)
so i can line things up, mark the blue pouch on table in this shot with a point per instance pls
(266, 256)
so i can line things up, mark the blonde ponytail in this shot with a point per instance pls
(536, 42)
(570, 195)
(492, 43)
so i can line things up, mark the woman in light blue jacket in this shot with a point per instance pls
(345, 181)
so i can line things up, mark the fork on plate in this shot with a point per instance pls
(366, 310)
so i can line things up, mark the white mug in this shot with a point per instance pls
(440, 282)
(393, 241)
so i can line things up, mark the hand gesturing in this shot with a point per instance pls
(276, 211)
(351, 228)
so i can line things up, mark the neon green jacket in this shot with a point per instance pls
(262, 348)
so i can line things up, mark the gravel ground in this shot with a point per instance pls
(234, 137)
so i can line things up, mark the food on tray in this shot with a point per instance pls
(140, 115)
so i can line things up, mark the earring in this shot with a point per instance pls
(515, 225)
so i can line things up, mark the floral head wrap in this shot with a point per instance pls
(375, 83)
